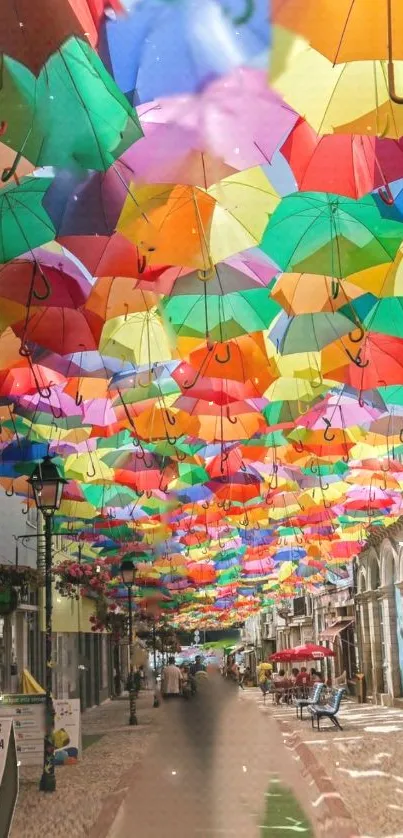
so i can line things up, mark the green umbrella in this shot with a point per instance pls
(72, 115)
(322, 233)
(228, 305)
(24, 223)
(310, 332)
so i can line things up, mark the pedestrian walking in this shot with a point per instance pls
(171, 679)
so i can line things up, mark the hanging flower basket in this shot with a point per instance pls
(74, 579)
(109, 617)
(20, 577)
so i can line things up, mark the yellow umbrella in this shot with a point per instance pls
(345, 30)
(139, 338)
(184, 225)
(348, 98)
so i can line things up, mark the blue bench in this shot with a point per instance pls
(313, 698)
(328, 711)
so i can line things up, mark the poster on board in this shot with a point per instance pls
(67, 736)
(27, 713)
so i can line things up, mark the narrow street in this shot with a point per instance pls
(211, 771)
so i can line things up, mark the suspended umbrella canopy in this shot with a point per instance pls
(183, 225)
(228, 305)
(345, 31)
(300, 293)
(74, 97)
(352, 97)
(24, 221)
(139, 338)
(329, 234)
(350, 165)
(194, 45)
(29, 281)
(188, 139)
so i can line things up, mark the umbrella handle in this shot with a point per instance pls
(205, 505)
(78, 399)
(398, 100)
(361, 335)
(171, 419)
(233, 420)
(298, 446)
(47, 291)
(180, 456)
(329, 437)
(11, 170)
(227, 355)
(385, 195)
(25, 509)
(246, 15)
(171, 440)
(335, 289)
(10, 494)
(401, 435)
(141, 263)
(357, 360)
(314, 470)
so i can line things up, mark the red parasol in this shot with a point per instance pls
(308, 652)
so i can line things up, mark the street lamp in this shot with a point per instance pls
(47, 487)
(128, 572)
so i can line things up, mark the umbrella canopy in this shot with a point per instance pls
(302, 653)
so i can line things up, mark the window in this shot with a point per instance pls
(299, 606)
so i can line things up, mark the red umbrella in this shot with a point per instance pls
(308, 652)
(341, 163)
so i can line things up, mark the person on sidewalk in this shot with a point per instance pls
(171, 679)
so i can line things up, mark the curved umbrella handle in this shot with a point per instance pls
(8, 493)
(78, 399)
(141, 263)
(398, 100)
(335, 288)
(181, 456)
(357, 360)
(8, 173)
(24, 350)
(205, 504)
(227, 356)
(298, 446)
(361, 335)
(401, 435)
(246, 15)
(171, 419)
(47, 289)
(171, 440)
(25, 509)
(385, 195)
(232, 420)
(329, 437)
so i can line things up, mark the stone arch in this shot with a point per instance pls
(373, 571)
(389, 564)
(362, 580)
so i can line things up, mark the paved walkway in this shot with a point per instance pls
(113, 751)
(363, 762)
(211, 773)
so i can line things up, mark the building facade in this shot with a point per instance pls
(83, 659)
(379, 580)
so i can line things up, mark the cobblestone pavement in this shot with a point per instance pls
(211, 772)
(363, 763)
(82, 790)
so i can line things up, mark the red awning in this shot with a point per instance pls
(332, 631)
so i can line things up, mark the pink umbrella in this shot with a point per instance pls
(235, 123)
(338, 412)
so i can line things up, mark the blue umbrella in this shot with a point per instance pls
(170, 47)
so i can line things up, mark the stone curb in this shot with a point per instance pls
(337, 811)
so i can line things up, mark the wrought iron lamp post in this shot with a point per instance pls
(128, 572)
(47, 487)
